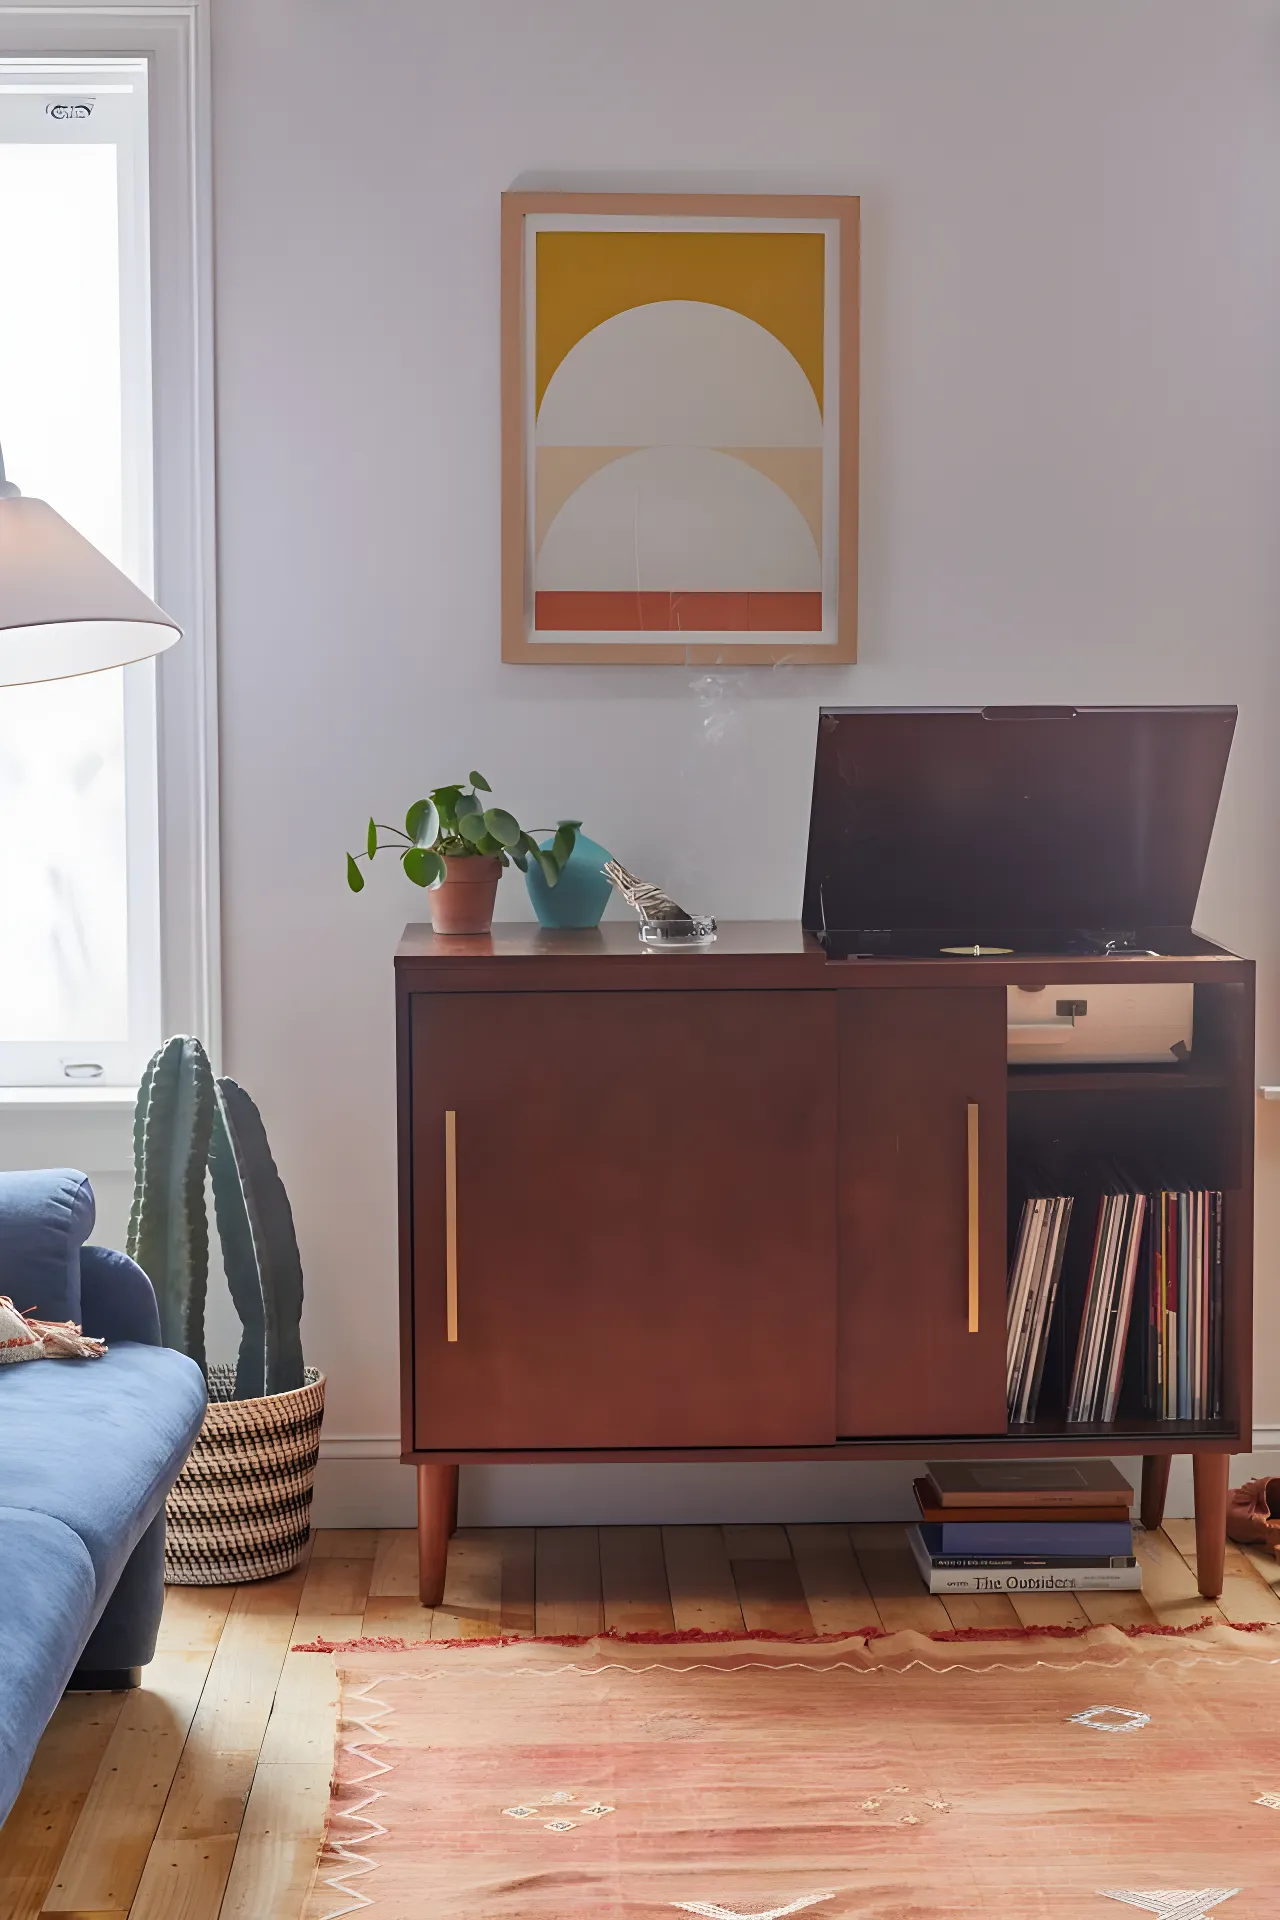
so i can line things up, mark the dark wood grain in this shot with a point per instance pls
(911, 1060)
(646, 1207)
(650, 1175)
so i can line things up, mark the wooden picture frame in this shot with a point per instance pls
(679, 429)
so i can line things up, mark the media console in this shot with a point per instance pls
(750, 1203)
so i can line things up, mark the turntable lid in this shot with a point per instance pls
(1013, 817)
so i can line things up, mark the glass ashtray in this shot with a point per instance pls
(672, 936)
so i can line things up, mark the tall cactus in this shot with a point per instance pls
(259, 1247)
(168, 1225)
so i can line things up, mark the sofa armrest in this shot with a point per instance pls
(44, 1217)
(117, 1301)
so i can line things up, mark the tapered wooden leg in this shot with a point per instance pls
(437, 1518)
(1155, 1486)
(1212, 1472)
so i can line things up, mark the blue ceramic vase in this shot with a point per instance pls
(581, 894)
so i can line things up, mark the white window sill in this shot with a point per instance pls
(90, 1128)
(61, 1099)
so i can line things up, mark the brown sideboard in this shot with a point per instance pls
(750, 1203)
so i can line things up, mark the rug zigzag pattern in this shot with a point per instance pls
(359, 1864)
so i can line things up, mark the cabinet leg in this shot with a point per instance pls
(1155, 1486)
(1211, 1473)
(437, 1518)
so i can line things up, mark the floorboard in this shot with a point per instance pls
(44, 1816)
(833, 1583)
(893, 1581)
(703, 1595)
(633, 1581)
(203, 1794)
(1246, 1596)
(187, 1868)
(567, 1581)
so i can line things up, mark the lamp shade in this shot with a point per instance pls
(64, 608)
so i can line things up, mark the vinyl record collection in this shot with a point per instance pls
(1144, 1311)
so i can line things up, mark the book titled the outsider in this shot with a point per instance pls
(1060, 1579)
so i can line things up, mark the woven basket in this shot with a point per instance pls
(241, 1507)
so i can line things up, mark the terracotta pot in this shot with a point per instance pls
(463, 901)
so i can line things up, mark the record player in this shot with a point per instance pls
(1027, 832)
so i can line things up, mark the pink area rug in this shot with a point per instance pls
(1038, 1777)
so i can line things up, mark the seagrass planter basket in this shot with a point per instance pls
(241, 1507)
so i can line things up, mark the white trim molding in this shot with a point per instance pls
(173, 37)
(359, 1446)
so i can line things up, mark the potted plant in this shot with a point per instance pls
(241, 1507)
(456, 846)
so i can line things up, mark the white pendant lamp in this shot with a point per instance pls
(64, 609)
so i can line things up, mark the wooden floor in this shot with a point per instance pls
(201, 1796)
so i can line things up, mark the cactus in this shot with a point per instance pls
(168, 1226)
(184, 1122)
(260, 1251)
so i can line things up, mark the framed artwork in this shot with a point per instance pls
(680, 428)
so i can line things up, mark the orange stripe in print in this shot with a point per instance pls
(566, 612)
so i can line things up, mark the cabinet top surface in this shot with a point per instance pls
(776, 947)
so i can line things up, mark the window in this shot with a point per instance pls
(80, 946)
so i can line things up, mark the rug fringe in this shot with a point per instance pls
(687, 1636)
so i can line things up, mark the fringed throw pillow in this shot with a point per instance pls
(22, 1338)
(18, 1341)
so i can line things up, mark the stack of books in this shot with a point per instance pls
(1028, 1526)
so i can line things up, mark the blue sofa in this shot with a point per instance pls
(88, 1451)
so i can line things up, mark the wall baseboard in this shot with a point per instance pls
(359, 1446)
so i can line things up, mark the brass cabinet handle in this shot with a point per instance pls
(974, 1244)
(450, 1225)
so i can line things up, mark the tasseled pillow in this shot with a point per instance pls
(23, 1338)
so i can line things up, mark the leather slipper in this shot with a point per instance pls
(1253, 1514)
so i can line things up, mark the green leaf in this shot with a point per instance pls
(371, 839)
(446, 800)
(563, 844)
(545, 860)
(355, 879)
(568, 823)
(488, 845)
(472, 827)
(521, 857)
(503, 826)
(422, 823)
(466, 805)
(422, 866)
(480, 783)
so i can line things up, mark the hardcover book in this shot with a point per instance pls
(1017, 1483)
(1049, 1539)
(1034, 1512)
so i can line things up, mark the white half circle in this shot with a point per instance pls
(679, 373)
(679, 519)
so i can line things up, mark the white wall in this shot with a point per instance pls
(1071, 493)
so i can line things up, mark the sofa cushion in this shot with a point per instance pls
(47, 1602)
(44, 1219)
(98, 1443)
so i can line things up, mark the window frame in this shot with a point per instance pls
(173, 39)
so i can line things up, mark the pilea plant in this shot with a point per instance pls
(453, 823)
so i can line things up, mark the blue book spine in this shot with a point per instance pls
(1055, 1539)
